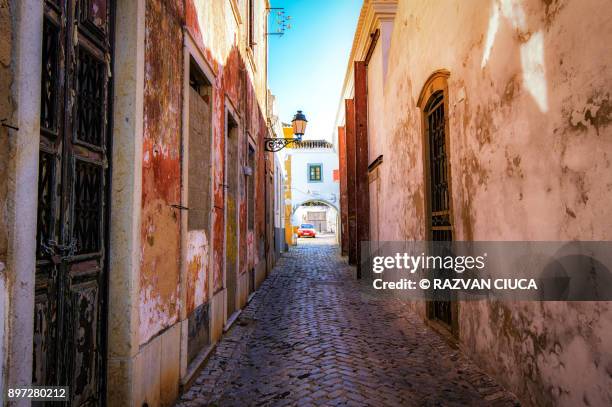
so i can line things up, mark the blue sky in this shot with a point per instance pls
(307, 65)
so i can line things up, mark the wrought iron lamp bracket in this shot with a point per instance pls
(276, 144)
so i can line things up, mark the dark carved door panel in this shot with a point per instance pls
(69, 320)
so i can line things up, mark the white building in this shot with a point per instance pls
(315, 184)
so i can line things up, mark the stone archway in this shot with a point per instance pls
(311, 201)
(325, 221)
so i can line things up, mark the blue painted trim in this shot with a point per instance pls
(308, 173)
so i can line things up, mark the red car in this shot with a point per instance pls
(306, 230)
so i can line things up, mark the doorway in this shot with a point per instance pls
(199, 191)
(250, 192)
(232, 163)
(73, 189)
(438, 185)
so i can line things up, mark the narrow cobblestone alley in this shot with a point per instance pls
(313, 336)
(189, 191)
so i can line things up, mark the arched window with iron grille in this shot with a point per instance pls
(438, 168)
(433, 103)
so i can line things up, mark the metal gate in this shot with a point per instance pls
(439, 191)
(69, 317)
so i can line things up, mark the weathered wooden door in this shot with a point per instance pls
(69, 318)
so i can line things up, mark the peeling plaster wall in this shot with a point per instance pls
(530, 155)
(197, 270)
(6, 110)
(240, 82)
(161, 172)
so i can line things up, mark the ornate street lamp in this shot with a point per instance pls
(298, 124)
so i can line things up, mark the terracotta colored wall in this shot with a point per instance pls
(530, 143)
(239, 82)
(161, 172)
(213, 27)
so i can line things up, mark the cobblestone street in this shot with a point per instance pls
(312, 336)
